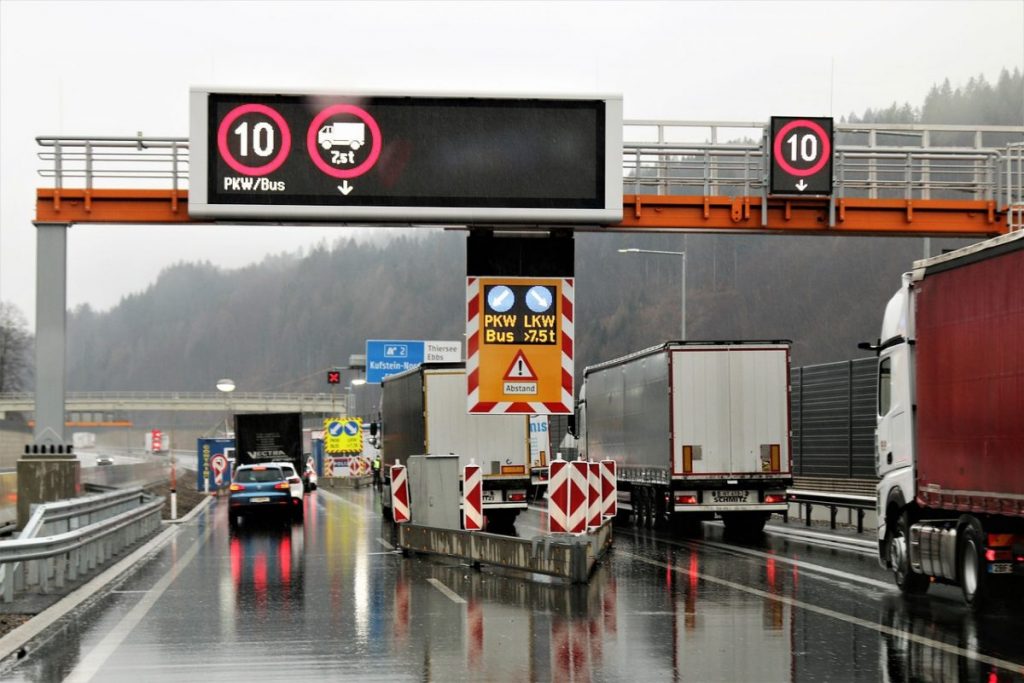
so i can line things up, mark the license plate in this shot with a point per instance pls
(1001, 568)
(488, 496)
(730, 497)
(261, 500)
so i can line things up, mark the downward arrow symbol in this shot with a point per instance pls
(345, 187)
(800, 186)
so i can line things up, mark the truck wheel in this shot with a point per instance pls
(650, 509)
(660, 510)
(973, 578)
(898, 548)
(326, 144)
(354, 145)
(637, 499)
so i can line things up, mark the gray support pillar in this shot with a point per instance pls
(51, 327)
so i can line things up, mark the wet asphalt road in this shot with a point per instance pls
(331, 600)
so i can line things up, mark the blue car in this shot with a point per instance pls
(261, 489)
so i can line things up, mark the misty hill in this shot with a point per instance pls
(277, 325)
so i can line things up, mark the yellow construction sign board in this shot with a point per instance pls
(343, 435)
(519, 355)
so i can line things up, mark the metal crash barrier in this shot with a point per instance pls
(66, 540)
(563, 555)
(856, 494)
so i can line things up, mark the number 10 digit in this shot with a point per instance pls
(262, 139)
(808, 147)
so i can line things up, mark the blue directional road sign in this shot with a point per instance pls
(390, 356)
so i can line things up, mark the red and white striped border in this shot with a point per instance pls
(579, 500)
(399, 494)
(594, 504)
(472, 498)
(475, 405)
(558, 497)
(609, 492)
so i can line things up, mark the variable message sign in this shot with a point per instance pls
(345, 156)
(801, 153)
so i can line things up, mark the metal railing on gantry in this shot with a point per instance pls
(683, 158)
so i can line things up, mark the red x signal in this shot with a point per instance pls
(333, 377)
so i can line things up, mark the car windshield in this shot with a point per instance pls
(257, 475)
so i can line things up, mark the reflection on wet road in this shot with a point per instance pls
(331, 599)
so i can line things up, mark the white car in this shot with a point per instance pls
(295, 485)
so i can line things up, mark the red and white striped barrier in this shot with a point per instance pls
(579, 485)
(399, 494)
(472, 497)
(558, 496)
(609, 489)
(595, 505)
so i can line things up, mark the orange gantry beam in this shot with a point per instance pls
(911, 217)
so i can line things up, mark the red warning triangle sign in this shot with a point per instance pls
(520, 369)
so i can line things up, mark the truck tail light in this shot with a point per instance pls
(687, 459)
(993, 555)
(236, 487)
(282, 486)
(686, 500)
(516, 496)
(775, 498)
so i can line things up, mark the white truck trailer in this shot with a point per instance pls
(423, 412)
(696, 429)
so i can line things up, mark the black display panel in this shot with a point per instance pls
(801, 152)
(345, 156)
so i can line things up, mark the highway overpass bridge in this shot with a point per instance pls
(184, 401)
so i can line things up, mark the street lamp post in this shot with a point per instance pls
(682, 279)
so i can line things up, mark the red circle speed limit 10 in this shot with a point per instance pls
(801, 154)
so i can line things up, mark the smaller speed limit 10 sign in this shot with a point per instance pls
(801, 154)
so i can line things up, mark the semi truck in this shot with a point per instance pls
(423, 412)
(270, 437)
(950, 428)
(697, 429)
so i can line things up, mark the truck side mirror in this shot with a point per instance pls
(570, 424)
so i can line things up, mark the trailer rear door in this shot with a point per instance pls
(730, 410)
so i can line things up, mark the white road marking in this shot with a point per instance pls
(800, 604)
(89, 665)
(806, 566)
(448, 592)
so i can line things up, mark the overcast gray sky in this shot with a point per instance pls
(90, 68)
